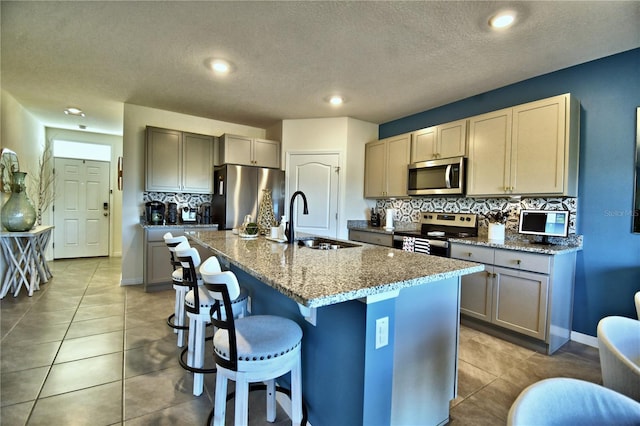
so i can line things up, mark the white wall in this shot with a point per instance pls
(23, 134)
(346, 136)
(115, 224)
(136, 118)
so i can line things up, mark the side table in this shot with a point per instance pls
(24, 256)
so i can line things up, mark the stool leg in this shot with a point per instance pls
(220, 400)
(176, 310)
(191, 341)
(242, 401)
(180, 314)
(198, 358)
(271, 401)
(296, 392)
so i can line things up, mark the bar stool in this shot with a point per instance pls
(198, 303)
(254, 349)
(176, 319)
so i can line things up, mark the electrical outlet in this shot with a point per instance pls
(382, 332)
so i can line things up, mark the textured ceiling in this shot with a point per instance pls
(390, 59)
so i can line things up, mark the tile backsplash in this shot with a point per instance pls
(409, 210)
(192, 200)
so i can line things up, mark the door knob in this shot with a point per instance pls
(105, 214)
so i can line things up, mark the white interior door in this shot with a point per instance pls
(317, 175)
(81, 208)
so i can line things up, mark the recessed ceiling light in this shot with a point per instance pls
(502, 20)
(336, 100)
(74, 111)
(220, 66)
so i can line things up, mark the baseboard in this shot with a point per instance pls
(131, 281)
(585, 339)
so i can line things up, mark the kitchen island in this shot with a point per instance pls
(380, 325)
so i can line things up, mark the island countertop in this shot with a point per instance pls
(316, 278)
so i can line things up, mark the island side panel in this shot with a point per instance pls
(344, 380)
(426, 352)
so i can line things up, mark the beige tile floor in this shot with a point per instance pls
(85, 351)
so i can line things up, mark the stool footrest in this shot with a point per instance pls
(187, 367)
(171, 323)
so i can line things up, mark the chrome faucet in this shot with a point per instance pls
(290, 233)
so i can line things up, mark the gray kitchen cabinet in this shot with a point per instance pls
(385, 167)
(528, 293)
(529, 149)
(178, 161)
(157, 259)
(371, 237)
(243, 150)
(441, 141)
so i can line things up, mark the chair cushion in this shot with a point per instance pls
(207, 300)
(177, 275)
(260, 337)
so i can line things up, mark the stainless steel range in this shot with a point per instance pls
(435, 230)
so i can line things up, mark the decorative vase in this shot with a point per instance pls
(18, 214)
(266, 217)
(496, 232)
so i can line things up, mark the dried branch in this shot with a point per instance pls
(41, 192)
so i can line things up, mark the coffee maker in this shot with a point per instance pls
(205, 213)
(172, 213)
(154, 211)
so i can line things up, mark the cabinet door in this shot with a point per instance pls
(236, 150)
(197, 154)
(371, 237)
(398, 156)
(520, 301)
(158, 264)
(423, 145)
(489, 153)
(266, 153)
(476, 293)
(452, 139)
(163, 168)
(374, 169)
(538, 147)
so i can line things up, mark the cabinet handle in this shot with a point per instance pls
(469, 254)
(518, 261)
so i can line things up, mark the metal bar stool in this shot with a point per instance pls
(176, 319)
(258, 348)
(198, 303)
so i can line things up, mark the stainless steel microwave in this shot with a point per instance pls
(437, 177)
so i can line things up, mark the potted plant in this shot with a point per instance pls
(497, 221)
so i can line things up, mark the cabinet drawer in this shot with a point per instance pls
(371, 238)
(472, 253)
(523, 261)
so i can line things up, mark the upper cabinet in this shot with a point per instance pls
(385, 169)
(442, 141)
(178, 161)
(530, 149)
(249, 151)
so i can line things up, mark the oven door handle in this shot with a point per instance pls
(447, 176)
(435, 243)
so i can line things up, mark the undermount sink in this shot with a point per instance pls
(320, 243)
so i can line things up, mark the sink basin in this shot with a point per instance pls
(320, 243)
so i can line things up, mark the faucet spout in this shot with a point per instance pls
(290, 234)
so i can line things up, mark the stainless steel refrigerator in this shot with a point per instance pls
(238, 192)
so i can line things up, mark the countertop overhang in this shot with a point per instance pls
(316, 278)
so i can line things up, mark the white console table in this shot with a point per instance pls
(24, 257)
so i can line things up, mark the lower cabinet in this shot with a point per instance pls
(371, 237)
(157, 259)
(528, 293)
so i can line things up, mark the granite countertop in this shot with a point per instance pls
(180, 225)
(512, 241)
(316, 278)
(521, 245)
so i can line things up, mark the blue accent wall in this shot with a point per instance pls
(608, 269)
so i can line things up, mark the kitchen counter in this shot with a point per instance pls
(522, 245)
(316, 278)
(181, 226)
(380, 326)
